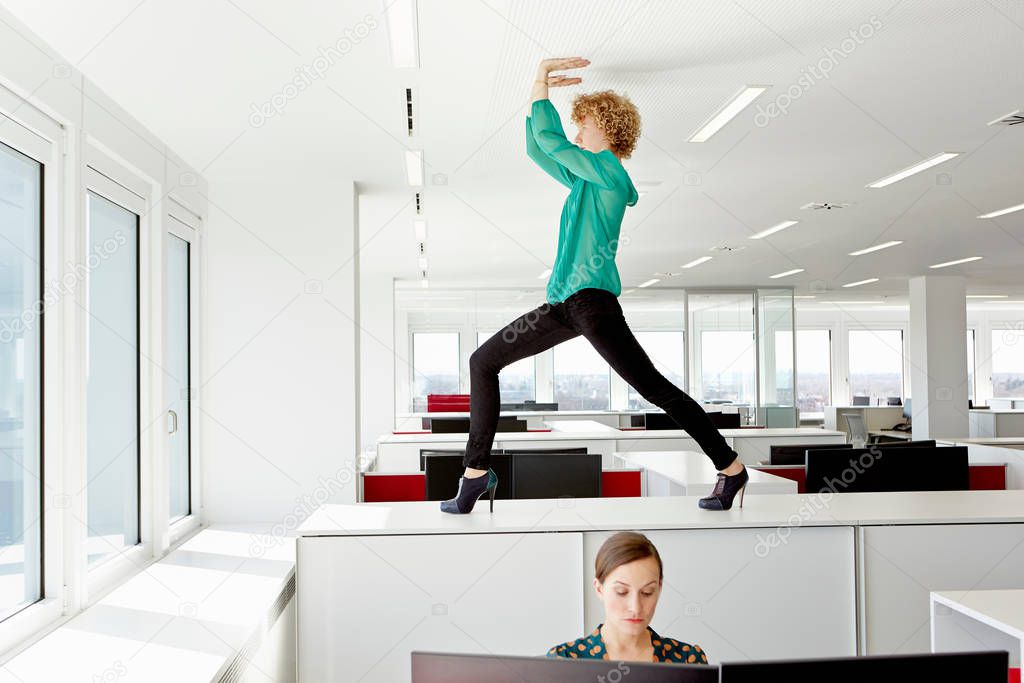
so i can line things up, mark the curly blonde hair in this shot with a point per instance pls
(612, 113)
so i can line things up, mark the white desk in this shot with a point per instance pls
(981, 451)
(875, 417)
(580, 427)
(400, 452)
(689, 473)
(992, 422)
(1006, 403)
(785, 576)
(979, 620)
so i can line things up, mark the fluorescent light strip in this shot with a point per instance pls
(543, 275)
(414, 166)
(775, 228)
(1002, 212)
(861, 282)
(649, 283)
(401, 20)
(739, 102)
(696, 262)
(1002, 118)
(916, 168)
(877, 247)
(421, 230)
(953, 263)
(804, 296)
(788, 272)
(850, 302)
(986, 296)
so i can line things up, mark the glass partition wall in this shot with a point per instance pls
(728, 347)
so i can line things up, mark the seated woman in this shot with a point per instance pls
(628, 579)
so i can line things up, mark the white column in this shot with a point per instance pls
(938, 356)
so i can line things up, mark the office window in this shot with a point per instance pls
(176, 375)
(814, 371)
(876, 364)
(727, 365)
(667, 351)
(970, 364)
(516, 382)
(581, 376)
(435, 362)
(112, 380)
(1007, 361)
(20, 381)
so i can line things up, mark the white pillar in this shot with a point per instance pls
(938, 356)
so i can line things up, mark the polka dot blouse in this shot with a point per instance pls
(665, 649)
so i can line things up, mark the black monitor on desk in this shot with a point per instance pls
(460, 425)
(884, 468)
(441, 667)
(976, 667)
(659, 421)
(796, 455)
(561, 474)
(725, 420)
(442, 471)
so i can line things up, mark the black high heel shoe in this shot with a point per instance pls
(469, 491)
(725, 490)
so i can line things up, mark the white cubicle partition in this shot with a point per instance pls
(785, 576)
(993, 423)
(400, 452)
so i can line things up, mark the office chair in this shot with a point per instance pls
(857, 430)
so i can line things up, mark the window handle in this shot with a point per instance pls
(174, 421)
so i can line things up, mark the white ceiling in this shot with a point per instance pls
(931, 76)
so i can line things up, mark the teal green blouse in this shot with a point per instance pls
(600, 189)
(665, 649)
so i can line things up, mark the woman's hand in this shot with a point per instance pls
(556, 81)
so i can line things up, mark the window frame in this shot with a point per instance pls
(902, 328)
(36, 135)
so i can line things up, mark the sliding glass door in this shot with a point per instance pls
(178, 269)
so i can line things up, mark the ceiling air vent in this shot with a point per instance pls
(726, 248)
(419, 205)
(824, 205)
(1011, 119)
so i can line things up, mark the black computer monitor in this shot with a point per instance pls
(659, 421)
(786, 454)
(861, 400)
(976, 667)
(443, 470)
(460, 425)
(882, 468)
(725, 420)
(562, 474)
(441, 667)
(920, 443)
(906, 409)
(893, 400)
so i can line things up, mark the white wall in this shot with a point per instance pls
(279, 390)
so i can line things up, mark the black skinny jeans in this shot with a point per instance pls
(596, 314)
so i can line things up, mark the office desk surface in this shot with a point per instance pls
(771, 432)
(581, 427)
(669, 512)
(1000, 609)
(692, 471)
